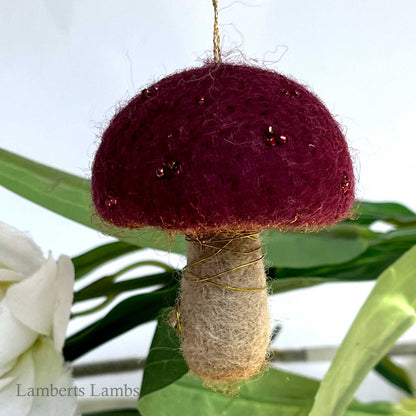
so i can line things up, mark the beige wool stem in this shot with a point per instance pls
(224, 314)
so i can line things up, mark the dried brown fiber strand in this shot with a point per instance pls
(224, 315)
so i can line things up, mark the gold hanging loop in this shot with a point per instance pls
(216, 38)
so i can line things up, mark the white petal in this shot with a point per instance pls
(7, 275)
(32, 300)
(18, 252)
(20, 378)
(47, 361)
(6, 368)
(63, 301)
(64, 405)
(49, 369)
(4, 381)
(15, 337)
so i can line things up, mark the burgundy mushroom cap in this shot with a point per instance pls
(223, 147)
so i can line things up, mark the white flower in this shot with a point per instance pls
(35, 300)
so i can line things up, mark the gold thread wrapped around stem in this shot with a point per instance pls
(178, 320)
(209, 280)
(228, 241)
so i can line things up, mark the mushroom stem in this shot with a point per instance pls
(224, 312)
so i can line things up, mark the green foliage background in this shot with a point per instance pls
(347, 252)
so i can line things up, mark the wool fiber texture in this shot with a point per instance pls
(223, 147)
(225, 333)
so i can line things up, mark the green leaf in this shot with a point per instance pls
(391, 212)
(120, 412)
(126, 315)
(65, 194)
(276, 393)
(304, 250)
(384, 249)
(109, 289)
(164, 364)
(89, 261)
(70, 196)
(407, 407)
(394, 374)
(286, 284)
(386, 314)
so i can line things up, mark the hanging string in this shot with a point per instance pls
(216, 38)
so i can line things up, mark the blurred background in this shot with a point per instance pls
(67, 64)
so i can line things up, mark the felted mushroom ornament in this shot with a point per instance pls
(220, 153)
